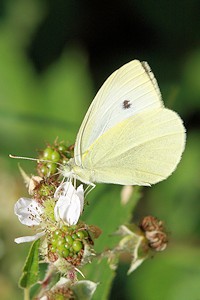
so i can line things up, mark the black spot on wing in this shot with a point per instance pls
(126, 104)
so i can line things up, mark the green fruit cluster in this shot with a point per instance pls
(53, 155)
(68, 242)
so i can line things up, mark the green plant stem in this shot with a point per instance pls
(26, 294)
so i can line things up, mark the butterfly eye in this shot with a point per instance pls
(126, 104)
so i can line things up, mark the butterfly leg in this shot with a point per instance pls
(89, 188)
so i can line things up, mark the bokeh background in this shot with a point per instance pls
(54, 55)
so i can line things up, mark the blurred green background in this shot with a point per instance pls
(54, 55)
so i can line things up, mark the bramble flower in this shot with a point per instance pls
(29, 213)
(66, 207)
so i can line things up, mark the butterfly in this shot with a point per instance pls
(127, 136)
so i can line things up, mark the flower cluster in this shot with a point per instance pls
(61, 240)
(68, 206)
(54, 210)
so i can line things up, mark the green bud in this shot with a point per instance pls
(74, 236)
(53, 248)
(62, 148)
(52, 168)
(47, 153)
(44, 170)
(56, 234)
(80, 234)
(65, 252)
(55, 156)
(77, 246)
(65, 228)
(69, 239)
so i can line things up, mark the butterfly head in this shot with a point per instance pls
(72, 171)
(67, 169)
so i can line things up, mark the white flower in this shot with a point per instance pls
(70, 203)
(68, 209)
(29, 213)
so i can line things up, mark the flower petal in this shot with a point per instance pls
(70, 203)
(26, 239)
(74, 211)
(59, 204)
(65, 188)
(80, 194)
(68, 210)
(28, 211)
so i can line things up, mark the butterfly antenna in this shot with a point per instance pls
(33, 159)
(22, 157)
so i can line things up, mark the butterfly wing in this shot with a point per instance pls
(142, 149)
(130, 90)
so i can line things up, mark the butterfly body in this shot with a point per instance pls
(71, 170)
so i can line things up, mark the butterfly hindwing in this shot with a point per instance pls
(142, 149)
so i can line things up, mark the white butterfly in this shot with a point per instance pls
(127, 136)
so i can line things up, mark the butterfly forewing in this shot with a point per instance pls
(130, 90)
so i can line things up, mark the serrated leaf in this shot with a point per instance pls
(30, 273)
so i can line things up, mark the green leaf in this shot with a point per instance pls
(108, 213)
(171, 275)
(30, 273)
(84, 289)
